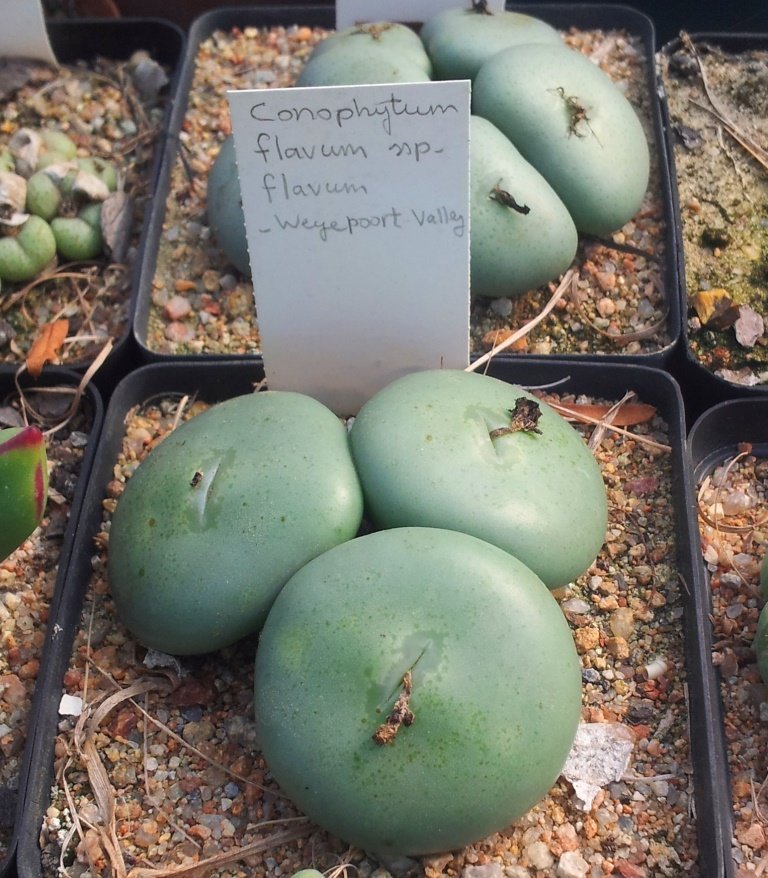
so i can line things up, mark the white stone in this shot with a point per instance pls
(539, 855)
(70, 705)
(572, 865)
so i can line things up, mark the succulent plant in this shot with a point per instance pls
(23, 485)
(56, 146)
(79, 237)
(26, 252)
(50, 202)
(43, 196)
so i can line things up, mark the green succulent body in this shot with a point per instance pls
(494, 690)
(100, 168)
(24, 255)
(57, 144)
(225, 208)
(219, 516)
(23, 485)
(43, 196)
(79, 237)
(760, 644)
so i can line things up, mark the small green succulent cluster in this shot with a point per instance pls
(50, 202)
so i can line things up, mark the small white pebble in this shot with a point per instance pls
(572, 865)
(11, 600)
(70, 705)
(539, 855)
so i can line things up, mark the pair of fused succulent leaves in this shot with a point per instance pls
(23, 485)
(50, 203)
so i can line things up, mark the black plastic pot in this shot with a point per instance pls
(560, 15)
(217, 381)
(714, 439)
(82, 40)
(46, 681)
(703, 387)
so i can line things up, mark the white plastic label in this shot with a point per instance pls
(349, 12)
(24, 34)
(356, 204)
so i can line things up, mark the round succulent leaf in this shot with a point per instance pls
(570, 121)
(24, 255)
(522, 233)
(414, 666)
(223, 512)
(225, 208)
(460, 41)
(443, 448)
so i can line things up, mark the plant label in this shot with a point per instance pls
(356, 203)
(24, 34)
(349, 12)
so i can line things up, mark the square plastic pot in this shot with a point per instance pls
(559, 15)
(48, 677)
(713, 440)
(214, 382)
(704, 388)
(82, 40)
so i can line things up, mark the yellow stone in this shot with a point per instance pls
(706, 302)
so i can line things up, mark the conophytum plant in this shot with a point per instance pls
(23, 485)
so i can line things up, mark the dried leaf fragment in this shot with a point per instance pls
(116, 222)
(46, 347)
(13, 197)
(25, 146)
(400, 715)
(523, 418)
(627, 415)
(642, 486)
(148, 76)
(689, 137)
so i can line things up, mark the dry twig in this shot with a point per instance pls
(566, 282)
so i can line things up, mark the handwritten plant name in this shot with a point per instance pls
(286, 156)
(390, 109)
